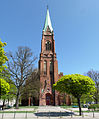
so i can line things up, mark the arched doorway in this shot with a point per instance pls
(49, 99)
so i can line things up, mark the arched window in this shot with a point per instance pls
(48, 45)
(45, 67)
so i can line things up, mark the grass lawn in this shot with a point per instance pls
(17, 111)
(35, 107)
(20, 111)
(66, 107)
(87, 111)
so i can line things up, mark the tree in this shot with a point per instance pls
(4, 86)
(4, 89)
(95, 76)
(3, 57)
(12, 91)
(75, 84)
(21, 67)
(32, 87)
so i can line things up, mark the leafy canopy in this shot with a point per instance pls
(75, 84)
(3, 57)
(4, 86)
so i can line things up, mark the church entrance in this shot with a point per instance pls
(49, 99)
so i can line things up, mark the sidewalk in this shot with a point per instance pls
(47, 112)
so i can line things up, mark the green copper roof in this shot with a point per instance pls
(47, 22)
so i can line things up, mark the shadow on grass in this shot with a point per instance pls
(53, 114)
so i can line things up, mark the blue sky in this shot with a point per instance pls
(75, 24)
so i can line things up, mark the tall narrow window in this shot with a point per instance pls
(45, 67)
(48, 45)
(51, 67)
(45, 84)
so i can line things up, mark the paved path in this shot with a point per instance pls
(47, 112)
(51, 109)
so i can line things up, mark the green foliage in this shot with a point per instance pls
(86, 98)
(93, 106)
(4, 86)
(75, 84)
(12, 91)
(5, 75)
(3, 57)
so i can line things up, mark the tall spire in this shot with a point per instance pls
(47, 21)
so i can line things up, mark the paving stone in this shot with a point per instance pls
(48, 112)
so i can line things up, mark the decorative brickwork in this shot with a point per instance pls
(48, 67)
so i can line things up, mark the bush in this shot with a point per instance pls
(93, 106)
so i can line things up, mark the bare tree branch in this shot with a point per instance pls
(21, 65)
(95, 76)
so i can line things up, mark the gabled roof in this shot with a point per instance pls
(47, 22)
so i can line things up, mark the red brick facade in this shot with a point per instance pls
(48, 67)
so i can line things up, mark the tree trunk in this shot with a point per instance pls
(96, 101)
(78, 99)
(3, 104)
(17, 100)
(8, 100)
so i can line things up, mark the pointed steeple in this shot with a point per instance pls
(47, 22)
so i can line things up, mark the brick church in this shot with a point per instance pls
(48, 67)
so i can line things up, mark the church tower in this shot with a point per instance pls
(48, 65)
